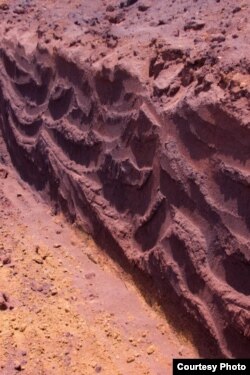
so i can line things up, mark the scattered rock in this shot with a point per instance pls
(53, 292)
(130, 359)
(237, 9)
(116, 18)
(3, 302)
(19, 10)
(218, 38)
(150, 349)
(4, 6)
(18, 366)
(143, 6)
(180, 351)
(110, 8)
(38, 260)
(6, 260)
(194, 25)
(92, 258)
(57, 245)
(127, 3)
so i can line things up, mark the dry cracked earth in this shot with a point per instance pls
(130, 119)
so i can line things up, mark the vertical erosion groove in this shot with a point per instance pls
(174, 205)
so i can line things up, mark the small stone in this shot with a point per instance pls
(194, 25)
(57, 245)
(116, 18)
(22, 328)
(37, 260)
(143, 7)
(236, 9)
(130, 359)
(110, 8)
(218, 38)
(18, 367)
(3, 302)
(127, 3)
(150, 349)
(4, 6)
(98, 369)
(6, 260)
(92, 258)
(160, 23)
(19, 10)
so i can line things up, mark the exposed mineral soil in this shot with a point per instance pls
(65, 307)
(132, 118)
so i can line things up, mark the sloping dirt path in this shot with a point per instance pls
(65, 307)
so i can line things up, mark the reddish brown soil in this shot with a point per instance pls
(68, 308)
(132, 118)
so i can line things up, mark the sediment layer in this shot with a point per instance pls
(160, 170)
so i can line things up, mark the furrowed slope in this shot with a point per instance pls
(165, 185)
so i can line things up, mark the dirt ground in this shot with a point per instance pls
(132, 118)
(66, 308)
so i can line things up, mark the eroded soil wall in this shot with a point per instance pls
(169, 191)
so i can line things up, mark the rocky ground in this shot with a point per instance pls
(132, 118)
